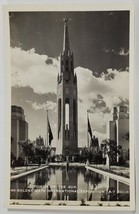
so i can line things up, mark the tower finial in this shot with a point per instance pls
(66, 45)
(66, 20)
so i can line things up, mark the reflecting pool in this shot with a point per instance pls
(76, 184)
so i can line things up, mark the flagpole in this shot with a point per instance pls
(47, 129)
(87, 132)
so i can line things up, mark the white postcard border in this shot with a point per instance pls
(66, 7)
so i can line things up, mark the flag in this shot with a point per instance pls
(50, 134)
(89, 128)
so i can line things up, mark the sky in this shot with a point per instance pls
(100, 44)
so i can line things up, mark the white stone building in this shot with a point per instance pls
(118, 128)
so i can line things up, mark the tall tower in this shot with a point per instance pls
(67, 103)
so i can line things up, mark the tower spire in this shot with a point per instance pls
(66, 45)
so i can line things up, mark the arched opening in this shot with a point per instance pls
(67, 116)
(59, 116)
(75, 117)
(67, 113)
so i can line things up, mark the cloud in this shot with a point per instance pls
(96, 94)
(109, 76)
(99, 96)
(123, 52)
(45, 106)
(27, 93)
(30, 69)
(90, 87)
(49, 61)
(120, 51)
(99, 104)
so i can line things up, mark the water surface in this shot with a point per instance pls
(76, 183)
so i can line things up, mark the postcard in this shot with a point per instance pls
(69, 107)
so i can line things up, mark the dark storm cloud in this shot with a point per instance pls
(27, 93)
(90, 34)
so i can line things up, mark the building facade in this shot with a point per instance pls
(19, 129)
(67, 104)
(118, 128)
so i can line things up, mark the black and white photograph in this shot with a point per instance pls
(70, 141)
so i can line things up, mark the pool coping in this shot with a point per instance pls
(111, 175)
(14, 177)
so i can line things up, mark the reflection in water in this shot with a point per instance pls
(41, 178)
(116, 191)
(112, 195)
(60, 183)
(22, 185)
(50, 193)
